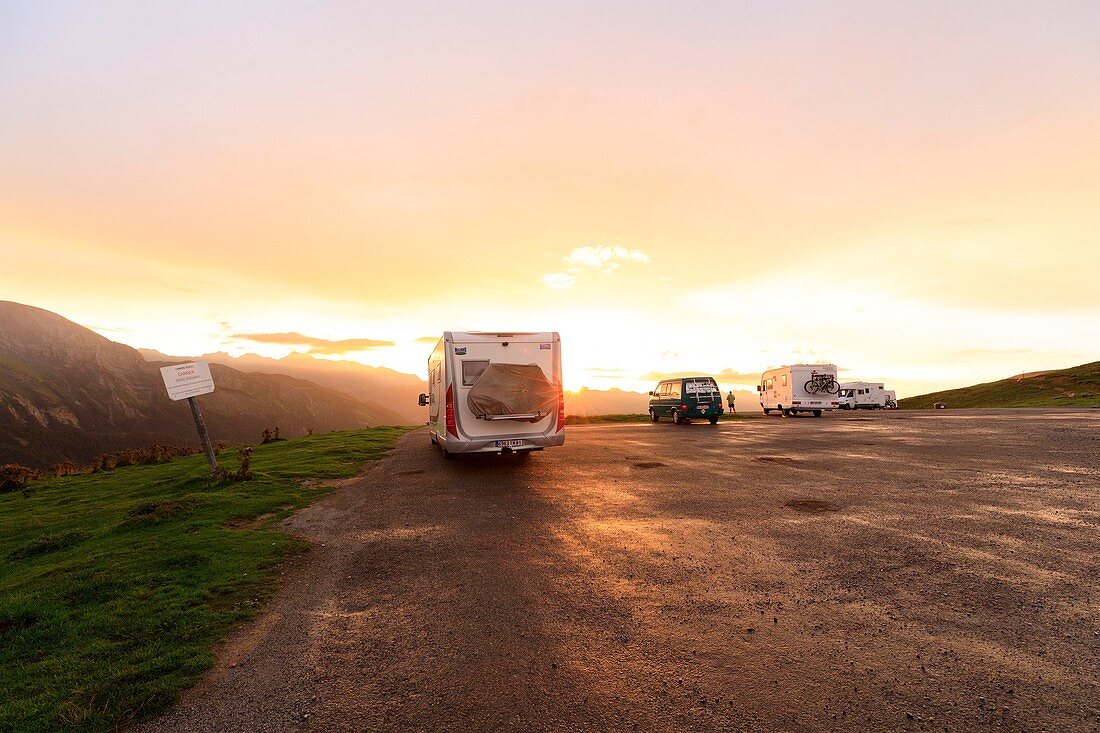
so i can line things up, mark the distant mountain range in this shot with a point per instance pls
(69, 394)
(397, 391)
(1076, 386)
(393, 391)
(588, 402)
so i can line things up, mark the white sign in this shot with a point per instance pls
(187, 380)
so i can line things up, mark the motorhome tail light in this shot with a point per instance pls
(561, 410)
(452, 427)
(683, 407)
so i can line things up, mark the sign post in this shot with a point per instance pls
(186, 382)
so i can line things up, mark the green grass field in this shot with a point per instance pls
(114, 587)
(1075, 387)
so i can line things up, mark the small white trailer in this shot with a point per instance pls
(862, 396)
(495, 392)
(799, 388)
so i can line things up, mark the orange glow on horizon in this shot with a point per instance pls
(909, 193)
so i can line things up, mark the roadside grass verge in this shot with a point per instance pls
(115, 586)
(644, 417)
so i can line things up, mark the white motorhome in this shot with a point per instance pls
(799, 388)
(495, 393)
(862, 396)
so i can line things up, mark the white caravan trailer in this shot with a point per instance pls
(862, 396)
(495, 393)
(799, 388)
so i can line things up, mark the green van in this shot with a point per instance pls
(685, 398)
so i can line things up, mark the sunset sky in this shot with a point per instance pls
(913, 194)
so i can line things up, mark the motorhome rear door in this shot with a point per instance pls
(472, 359)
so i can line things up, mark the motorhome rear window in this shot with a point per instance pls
(471, 370)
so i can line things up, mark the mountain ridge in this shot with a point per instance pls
(387, 388)
(69, 394)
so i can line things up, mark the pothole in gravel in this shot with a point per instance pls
(649, 464)
(811, 506)
(774, 459)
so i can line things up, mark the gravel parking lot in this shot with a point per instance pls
(866, 572)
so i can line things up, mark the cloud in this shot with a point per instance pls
(657, 376)
(726, 376)
(729, 375)
(606, 373)
(966, 353)
(427, 339)
(558, 280)
(318, 346)
(604, 258)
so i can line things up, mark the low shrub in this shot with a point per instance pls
(14, 477)
(65, 468)
(140, 457)
(244, 473)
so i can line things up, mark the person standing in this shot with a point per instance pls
(730, 401)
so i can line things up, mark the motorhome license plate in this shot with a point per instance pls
(508, 443)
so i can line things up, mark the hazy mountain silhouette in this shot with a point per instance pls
(589, 402)
(392, 390)
(67, 393)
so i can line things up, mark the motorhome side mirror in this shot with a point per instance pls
(650, 394)
(423, 402)
(759, 388)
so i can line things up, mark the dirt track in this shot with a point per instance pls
(941, 574)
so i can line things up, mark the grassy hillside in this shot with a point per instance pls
(115, 586)
(1065, 387)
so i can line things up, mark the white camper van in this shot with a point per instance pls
(862, 396)
(799, 388)
(495, 393)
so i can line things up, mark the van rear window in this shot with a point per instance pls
(695, 386)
